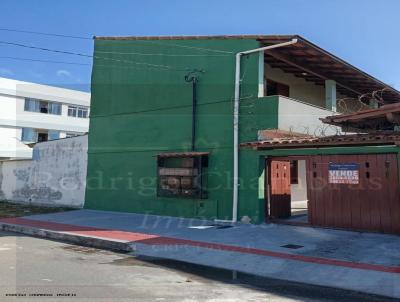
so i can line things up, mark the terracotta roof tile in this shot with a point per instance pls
(392, 138)
(182, 154)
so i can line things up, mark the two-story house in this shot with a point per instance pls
(169, 115)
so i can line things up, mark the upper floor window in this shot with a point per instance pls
(54, 108)
(35, 105)
(275, 88)
(76, 111)
(30, 135)
(72, 134)
(53, 134)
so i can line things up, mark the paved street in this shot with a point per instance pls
(356, 261)
(36, 266)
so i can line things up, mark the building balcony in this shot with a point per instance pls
(298, 118)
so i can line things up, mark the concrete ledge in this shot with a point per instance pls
(69, 238)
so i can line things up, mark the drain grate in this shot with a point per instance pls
(221, 226)
(216, 226)
(292, 246)
(224, 227)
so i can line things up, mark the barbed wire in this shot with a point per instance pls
(364, 101)
(304, 131)
(378, 95)
(350, 105)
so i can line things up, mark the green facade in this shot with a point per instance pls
(142, 106)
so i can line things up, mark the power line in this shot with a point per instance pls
(45, 34)
(91, 38)
(185, 46)
(125, 67)
(44, 61)
(95, 57)
(208, 102)
(72, 63)
(160, 54)
(46, 49)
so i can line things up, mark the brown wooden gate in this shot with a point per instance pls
(372, 203)
(279, 184)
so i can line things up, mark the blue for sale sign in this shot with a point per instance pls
(344, 173)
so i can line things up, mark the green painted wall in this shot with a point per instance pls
(139, 110)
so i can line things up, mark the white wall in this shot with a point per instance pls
(303, 118)
(299, 191)
(55, 176)
(10, 144)
(300, 89)
(45, 92)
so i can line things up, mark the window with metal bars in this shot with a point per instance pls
(182, 176)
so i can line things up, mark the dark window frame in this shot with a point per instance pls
(28, 135)
(42, 137)
(78, 111)
(42, 106)
(276, 88)
(182, 176)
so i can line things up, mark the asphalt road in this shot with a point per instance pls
(31, 266)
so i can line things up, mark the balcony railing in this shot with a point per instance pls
(303, 118)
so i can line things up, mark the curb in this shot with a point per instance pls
(238, 264)
(69, 238)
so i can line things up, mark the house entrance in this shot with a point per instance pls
(287, 190)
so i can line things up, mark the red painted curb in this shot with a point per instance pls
(82, 230)
(160, 240)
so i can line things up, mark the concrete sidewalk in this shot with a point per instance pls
(348, 260)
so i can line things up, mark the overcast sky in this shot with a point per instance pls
(363, 32)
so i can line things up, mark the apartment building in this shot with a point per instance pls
(31, 113)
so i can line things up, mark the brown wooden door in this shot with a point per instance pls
(370, 202)
(279, 188)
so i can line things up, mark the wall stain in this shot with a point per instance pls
(22, 175)
(2, 195)
(36, 154)
(56, 175)
(37, 194)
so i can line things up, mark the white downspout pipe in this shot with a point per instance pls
(236, 122)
